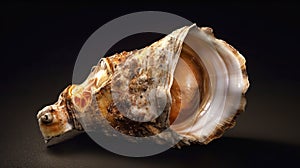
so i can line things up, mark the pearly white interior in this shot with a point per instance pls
(226, 84)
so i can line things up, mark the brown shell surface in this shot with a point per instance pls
(117, 120)
(111, 110)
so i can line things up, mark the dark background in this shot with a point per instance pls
(39, 46)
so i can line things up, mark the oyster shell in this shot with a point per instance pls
(189, 81)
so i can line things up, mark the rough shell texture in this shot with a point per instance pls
(188, 81)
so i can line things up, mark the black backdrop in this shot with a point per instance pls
(39, 46)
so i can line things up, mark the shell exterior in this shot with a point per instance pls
(188, 81)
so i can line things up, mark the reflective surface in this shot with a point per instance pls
(83, 152)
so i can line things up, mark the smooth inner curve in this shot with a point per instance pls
(190, 89)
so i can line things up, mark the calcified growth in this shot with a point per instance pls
(188, 81)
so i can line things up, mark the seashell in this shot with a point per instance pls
(189, 81)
